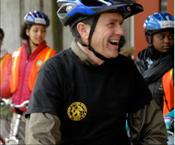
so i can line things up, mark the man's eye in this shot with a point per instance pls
(43, 31)
(35, 31)
(171, 37)
(162, 36)
(110, 24)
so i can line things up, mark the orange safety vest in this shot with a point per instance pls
(5, 65)
(45, 54)
(168, 86)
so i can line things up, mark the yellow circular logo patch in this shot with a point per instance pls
(77, 111)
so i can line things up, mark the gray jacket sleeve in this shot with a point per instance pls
(42, 129)
(147, 126)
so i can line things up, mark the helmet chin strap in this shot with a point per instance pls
(100, 56)
(121, 43)
(93, 25)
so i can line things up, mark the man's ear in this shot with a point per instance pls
(83, 29)
(149, 39)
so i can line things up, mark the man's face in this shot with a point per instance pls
(163, 41)
(107, 34)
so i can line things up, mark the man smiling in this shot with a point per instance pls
(87, 91)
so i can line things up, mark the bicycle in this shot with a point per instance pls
(13, 138)
(169, 122)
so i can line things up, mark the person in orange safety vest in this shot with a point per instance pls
(168, 86)
(28, 59)
(5, 63)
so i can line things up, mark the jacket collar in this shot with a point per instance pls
(83, 57)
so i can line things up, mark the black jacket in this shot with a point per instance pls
(153, 65)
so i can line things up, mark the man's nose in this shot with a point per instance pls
(119, 30)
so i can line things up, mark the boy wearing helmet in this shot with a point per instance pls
(156, 61)
(27, 60)
(89, 89)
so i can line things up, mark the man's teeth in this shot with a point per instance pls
(115, 42)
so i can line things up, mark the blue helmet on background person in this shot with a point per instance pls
(37, 17)
(158, 22)
(31, 18)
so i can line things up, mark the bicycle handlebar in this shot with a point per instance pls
(23, 104)
(8, 102)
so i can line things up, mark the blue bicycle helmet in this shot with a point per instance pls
(36, 17)
(158, 21)
(73, 11)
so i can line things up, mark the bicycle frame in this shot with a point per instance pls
(12, 139)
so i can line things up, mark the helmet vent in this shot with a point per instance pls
(166, 24)
(40, 21)
(96, 2)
